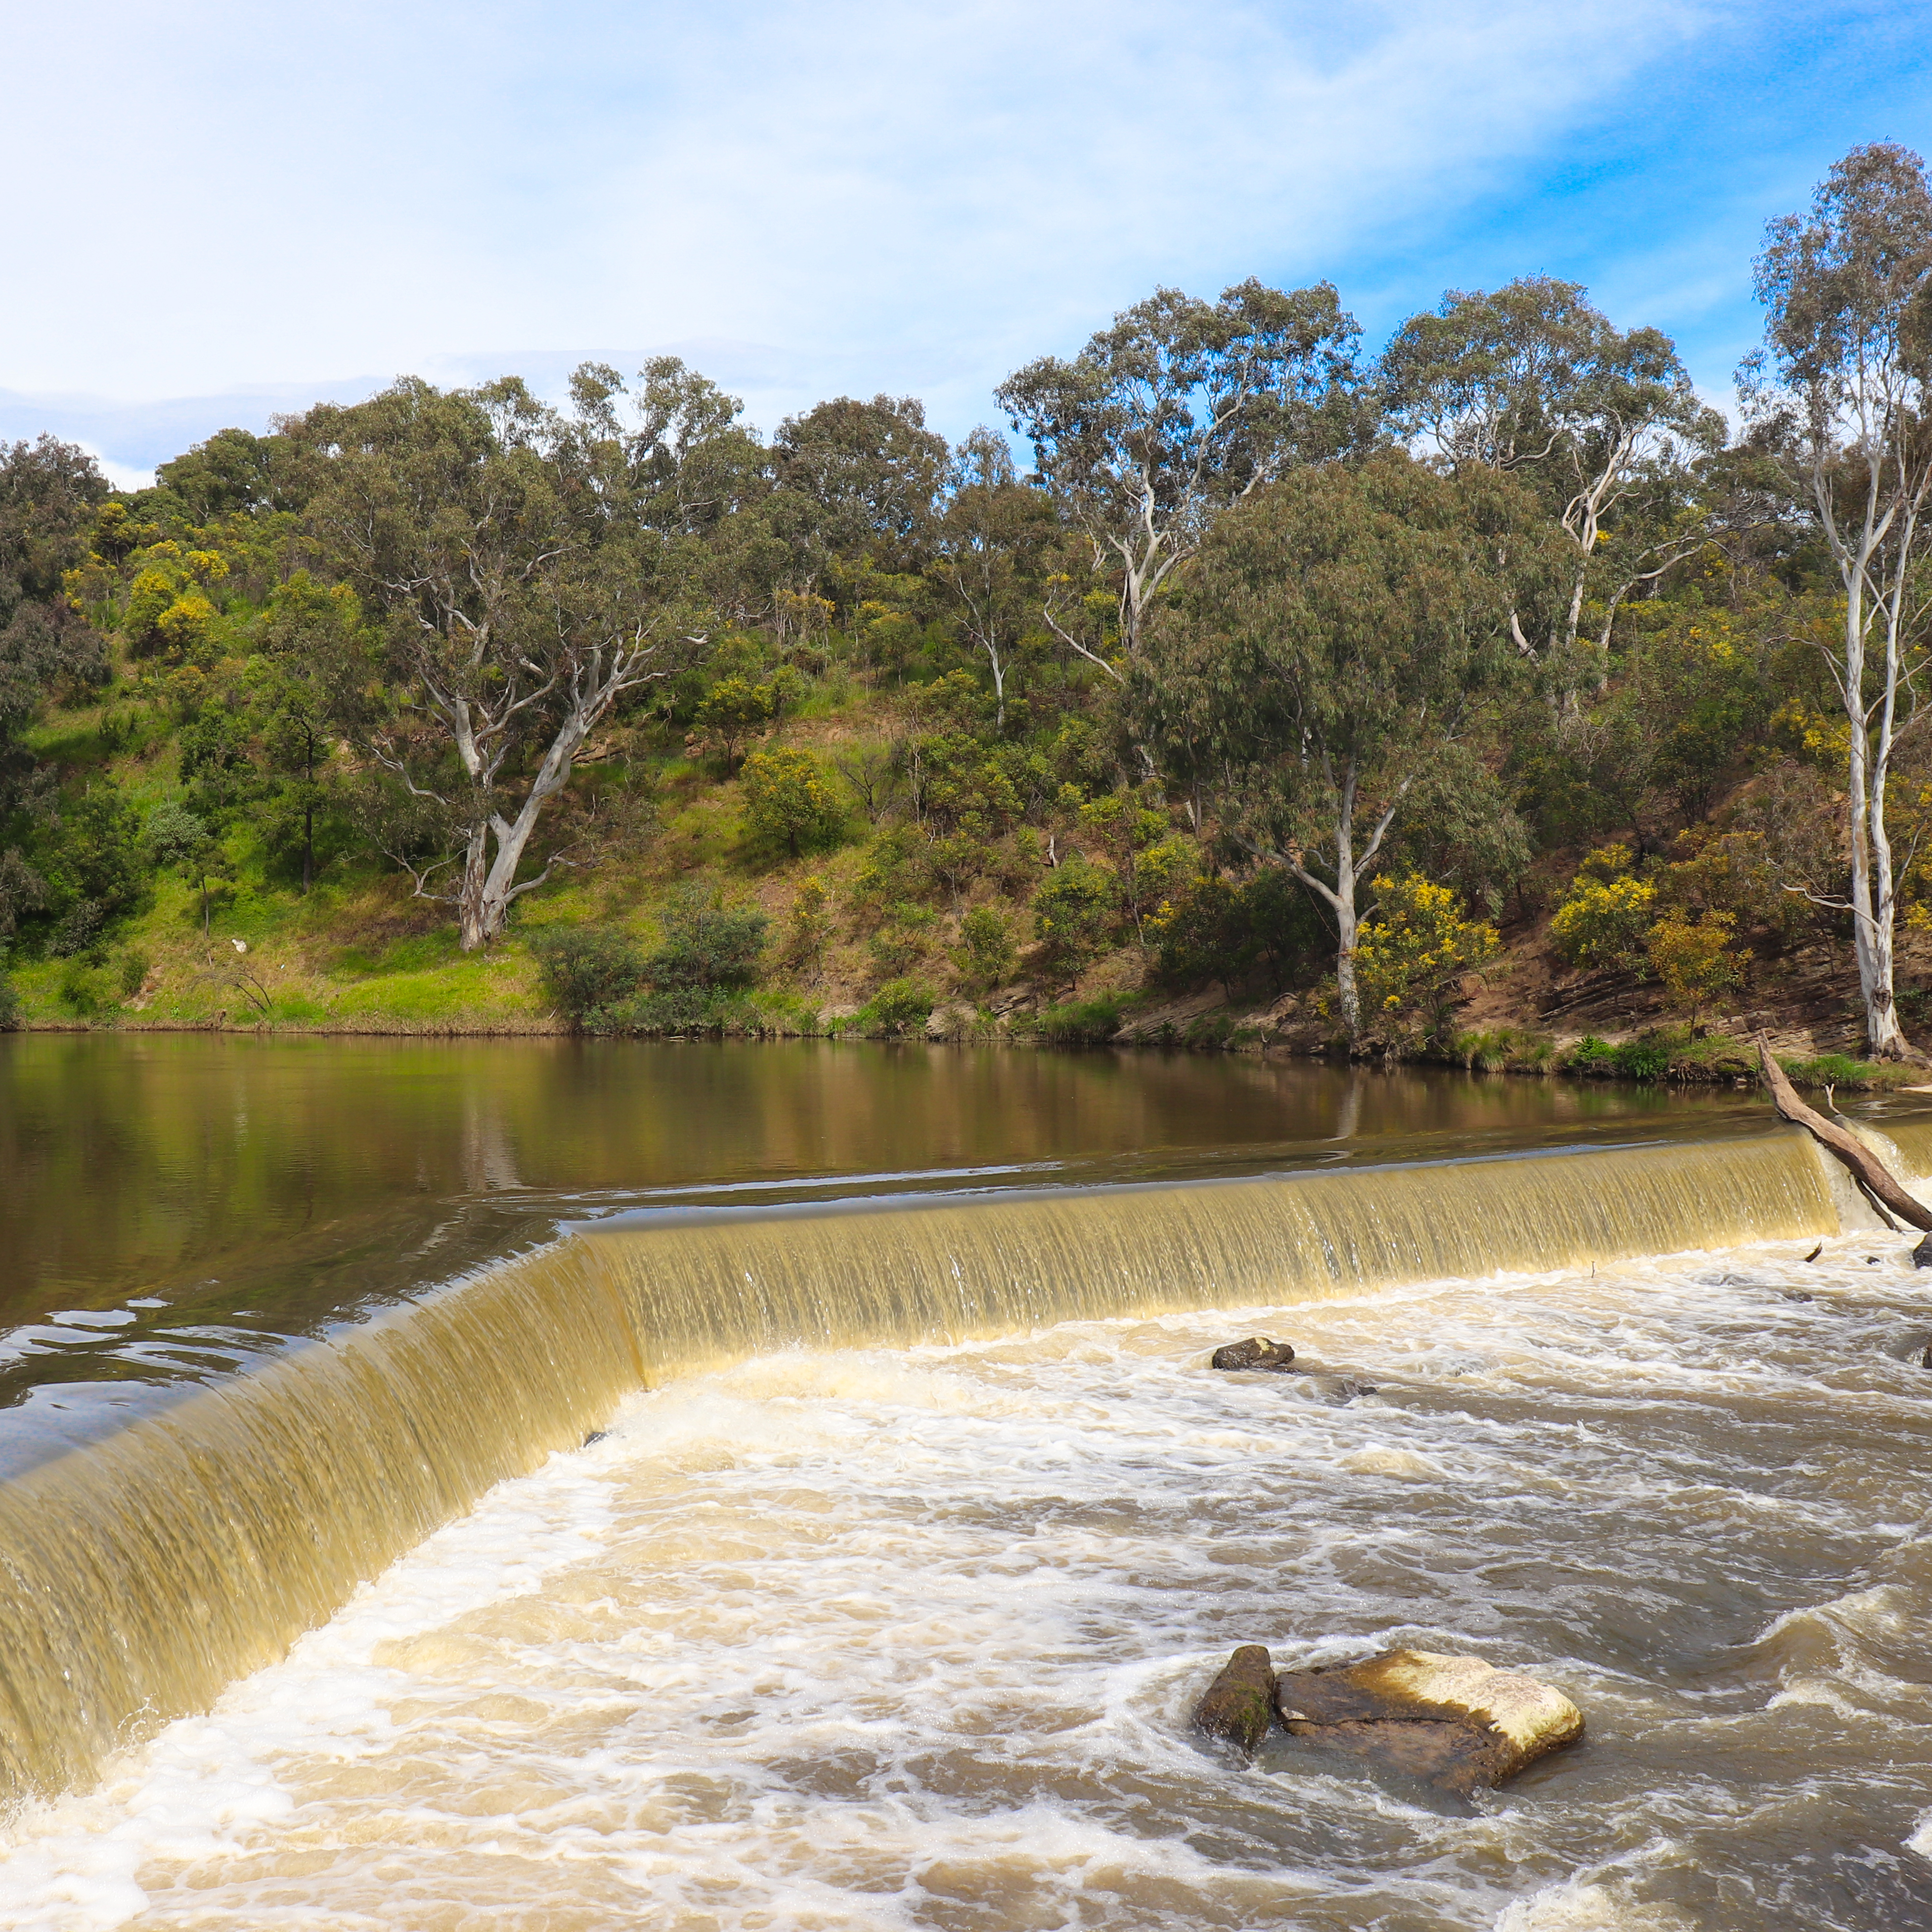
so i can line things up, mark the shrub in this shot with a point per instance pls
(1072, 912)
(588, 969)
(683, 1010)
(1635, 1060)
(98, 868)
(735, 708)
(1413, 954)
(82, 990)
(79, 928)
(808, 926)
(895, 949)
(1080, 1022)
(10, 1005)
(1604, 921)
(133, 971)
(706, 944)
(175, 835)
(1213, 929)
(1697, 962)
(788, 801)
(986, 953)
(899, 1007)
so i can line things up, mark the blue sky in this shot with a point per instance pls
(234, 208)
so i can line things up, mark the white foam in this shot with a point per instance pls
(874, 1639)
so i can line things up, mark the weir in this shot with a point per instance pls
(140, 1575)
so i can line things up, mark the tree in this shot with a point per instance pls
(1840, 390)
(516, 604)
(674, 444)
(234, 471)
(49, 493)
(857, 479)
(1182, 407)
(184, 839)
(1534, 380)
(990, 542)
(302, 695)
(1337, 637)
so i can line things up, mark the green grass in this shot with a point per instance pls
(416, 953)
(1836, 1069)
(1081, 1022)
(1504, 1049)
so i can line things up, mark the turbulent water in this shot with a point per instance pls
(906, 1637)
(918, 1521)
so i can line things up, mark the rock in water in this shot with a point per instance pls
(1922, 1255)
(1256, 1352)
(1457, 1721)
(1239, 1704)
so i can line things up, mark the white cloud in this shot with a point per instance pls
(855, 196)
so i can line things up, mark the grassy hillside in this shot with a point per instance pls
(358, 953)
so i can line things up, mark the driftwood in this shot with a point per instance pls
(1873, 1176)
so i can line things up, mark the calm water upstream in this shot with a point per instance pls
(893, 1632)
(171, 1206)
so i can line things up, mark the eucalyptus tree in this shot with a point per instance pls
(513, 594)
(671, 452)
(1335, 641)
(49, 493)
(1840, 390)
(854, 479)
(988, 550)
(1604, 426)
(1181, 408)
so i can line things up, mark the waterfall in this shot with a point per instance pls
(140, 1574)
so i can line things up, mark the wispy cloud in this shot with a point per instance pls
(822, 196)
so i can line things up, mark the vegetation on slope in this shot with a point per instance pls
(1484, 700)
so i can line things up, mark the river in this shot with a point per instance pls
(884, 1603)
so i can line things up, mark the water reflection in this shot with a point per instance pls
(140, 1164)
(218, 1196)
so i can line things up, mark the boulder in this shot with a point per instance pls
(1456, 1721)
(1256, 1352)
(1239, 1704)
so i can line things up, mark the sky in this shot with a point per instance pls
(220, 210)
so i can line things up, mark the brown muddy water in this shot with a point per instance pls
(920, 1519)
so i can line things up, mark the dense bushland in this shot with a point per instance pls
(1346, 685)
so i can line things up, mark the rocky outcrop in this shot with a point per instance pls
(1456, 1721)
(1239, 1704)
(1256, 1352)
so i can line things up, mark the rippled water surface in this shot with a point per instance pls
(907, 1639)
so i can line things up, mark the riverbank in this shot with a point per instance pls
(1680, 1056)
(364, 959)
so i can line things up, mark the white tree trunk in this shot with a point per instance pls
(1351, 868)
(1348, 933)
(1867, 769)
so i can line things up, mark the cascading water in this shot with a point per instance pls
(139, 1574)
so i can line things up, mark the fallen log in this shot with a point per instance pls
(1870, 1173)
